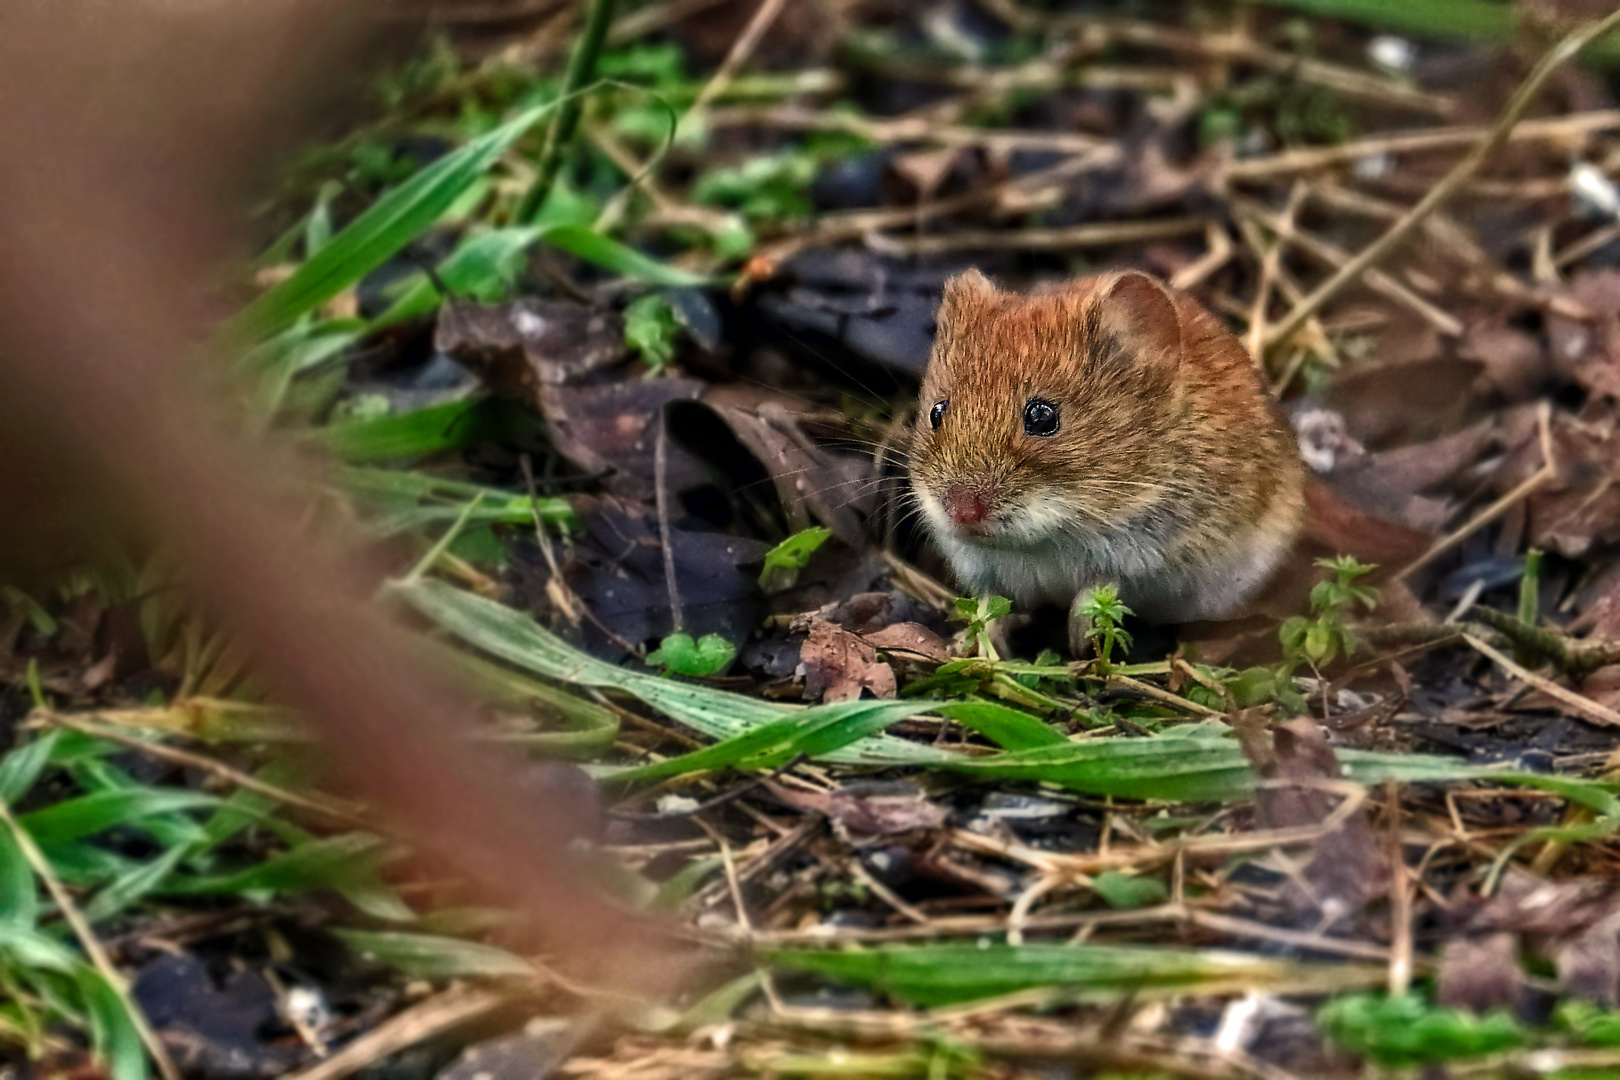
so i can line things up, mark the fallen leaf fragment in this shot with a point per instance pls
(839, 665)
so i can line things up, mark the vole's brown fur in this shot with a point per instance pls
(1172, 471)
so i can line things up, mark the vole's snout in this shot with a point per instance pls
(967, 504)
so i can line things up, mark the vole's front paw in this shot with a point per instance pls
(1080, 627)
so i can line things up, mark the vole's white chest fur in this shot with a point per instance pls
(1157, 576)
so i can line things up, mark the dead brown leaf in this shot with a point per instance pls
(1515, 363)
(515, 347)
(1347, 869)
(809, 479)
(868, 809)
(911, 638)
(1480, 973)
(1388, 484)
(1574, 922)
(1399, 404)
(839, 665)
(1581, 505)
(1590, 351)
(612, 430)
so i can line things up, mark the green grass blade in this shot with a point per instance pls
(482, 266)
(412, 499)
(518, 639)
(1008, 728)
(384, 229)
(427, 956)
(128, 888)
(947, 974)
(813, 733)
(1470, 20)
(1203, 763)
(90, 814)
(26, 949)
(22, 767)
(113, 1033)
(588, 244)
(1479, 20)
(335, 860)
(19, 894)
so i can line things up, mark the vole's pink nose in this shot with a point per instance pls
(966, 504)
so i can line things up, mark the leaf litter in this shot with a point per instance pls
(924, 836)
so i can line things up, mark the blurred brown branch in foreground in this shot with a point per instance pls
(125, 129)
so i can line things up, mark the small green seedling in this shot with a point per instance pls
(979, 614)
(784, 561)
(708, 655)
(1530, 588)
(1319, 639)
(650, 326)
(1105, 610)
(1408, 1031)
(1119, 890)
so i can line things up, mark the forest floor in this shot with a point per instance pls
(634, 453)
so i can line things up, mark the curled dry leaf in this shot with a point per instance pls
(556, 357)
(910, 639)
(1389, 484)
(877, 308)
(863, 612)
(810, 480)
(838, 665)
(518, 346)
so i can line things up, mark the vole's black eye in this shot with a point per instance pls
(1040, 417)
(936, 415)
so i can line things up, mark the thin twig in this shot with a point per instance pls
(1585, 706)
(331, 809)
(1102, 31)
(1314, 158)
(1377, 280)
(1548, 471)
(417, 1024)
(89, 942)
(654, 17)
(1219, 254)
(1103, 234)
(737, 56)
(1270, 262)
(904, 129)
(665, 537)
(1400, 899)
(1436, 196)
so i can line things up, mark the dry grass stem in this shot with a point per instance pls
(345, 814)
(443, 1012)
(1437, 195)
(1553, 129)
(1580, 703)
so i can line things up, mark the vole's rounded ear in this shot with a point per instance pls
(966, 287)
(1138, 324)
